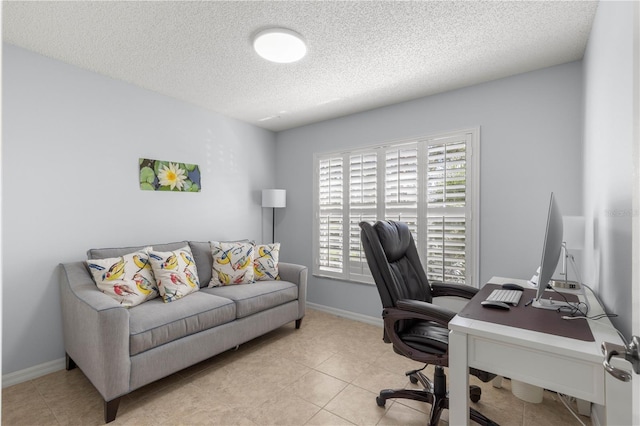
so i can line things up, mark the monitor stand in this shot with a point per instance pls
(551, 304)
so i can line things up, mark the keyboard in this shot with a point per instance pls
(510, 297)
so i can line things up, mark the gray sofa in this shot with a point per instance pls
(122, 349)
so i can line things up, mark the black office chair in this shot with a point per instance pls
(416, 327)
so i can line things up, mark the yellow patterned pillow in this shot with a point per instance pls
(265, 263)
(232, 263)
(175, 272)
(128, 279)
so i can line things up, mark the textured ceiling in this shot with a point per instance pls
(362, 55)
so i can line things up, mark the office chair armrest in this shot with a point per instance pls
(416, 309)
(410, 310)
(450, 289)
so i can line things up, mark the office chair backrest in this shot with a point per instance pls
(394, 263)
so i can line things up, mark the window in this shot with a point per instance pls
(429, 183)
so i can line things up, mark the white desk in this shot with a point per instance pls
(560, 364)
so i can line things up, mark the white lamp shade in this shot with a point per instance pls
(275, 198)
(573, 233)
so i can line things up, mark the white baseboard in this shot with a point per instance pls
(33, 372)
(347, 314)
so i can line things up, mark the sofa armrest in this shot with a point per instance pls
(296, 274)
(95, 330)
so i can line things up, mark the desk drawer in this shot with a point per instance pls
(577, 378)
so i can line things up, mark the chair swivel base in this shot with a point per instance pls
(434, 394)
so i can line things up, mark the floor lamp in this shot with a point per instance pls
(276, 199)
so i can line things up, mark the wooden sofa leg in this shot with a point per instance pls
(298, 323)
(111, 409)
(69, 363)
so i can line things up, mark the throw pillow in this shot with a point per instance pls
(128, 278)
(232, 263)
(265, 263)
(175, 273)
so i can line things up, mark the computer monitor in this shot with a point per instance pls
(551, 249)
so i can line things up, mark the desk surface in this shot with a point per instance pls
(587, 350)
(528, 317)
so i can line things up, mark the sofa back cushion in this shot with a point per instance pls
(104, 253)
(202, 255)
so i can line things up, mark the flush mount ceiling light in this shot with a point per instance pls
(280, 45)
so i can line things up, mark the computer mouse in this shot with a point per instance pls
(494, 305)
(512, 286)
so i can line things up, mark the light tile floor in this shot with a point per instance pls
(326, 373)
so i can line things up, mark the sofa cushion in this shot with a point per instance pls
(175, 272)
(127, 278)
(102, 253)
(256, 297)
(155, 323)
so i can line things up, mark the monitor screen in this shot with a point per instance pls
(552, 247)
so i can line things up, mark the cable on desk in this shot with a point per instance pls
(584, 314)
(574, 307)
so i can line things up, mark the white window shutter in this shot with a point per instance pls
(431, 184)
(401, 186)
(330, 215)
(362, 207)
(446, 196)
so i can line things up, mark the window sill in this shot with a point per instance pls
(346, 280)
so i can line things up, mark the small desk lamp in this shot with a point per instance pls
(274, 198)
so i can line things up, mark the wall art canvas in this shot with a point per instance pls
(157, 175)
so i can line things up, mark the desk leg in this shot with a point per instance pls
(618, 401)
(459, 379)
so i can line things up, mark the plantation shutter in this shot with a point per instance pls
(330, 215)
(362, 207)
(401, 186)
(431, 184)
(447, 212)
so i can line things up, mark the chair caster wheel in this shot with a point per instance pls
(474, 393)
(380, 401)
(413, 379)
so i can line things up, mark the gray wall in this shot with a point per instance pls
(608, 161)
(71, 143)
(530, 143)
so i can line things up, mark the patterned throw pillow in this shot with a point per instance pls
(265, 262)
(175, 273)
(232, 263)
(128, 279)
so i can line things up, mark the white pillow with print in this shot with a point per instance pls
(232, 263)
(175, 273)
(128, 278)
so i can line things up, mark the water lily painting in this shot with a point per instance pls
(157, 175)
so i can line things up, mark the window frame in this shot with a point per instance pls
(472, 203)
